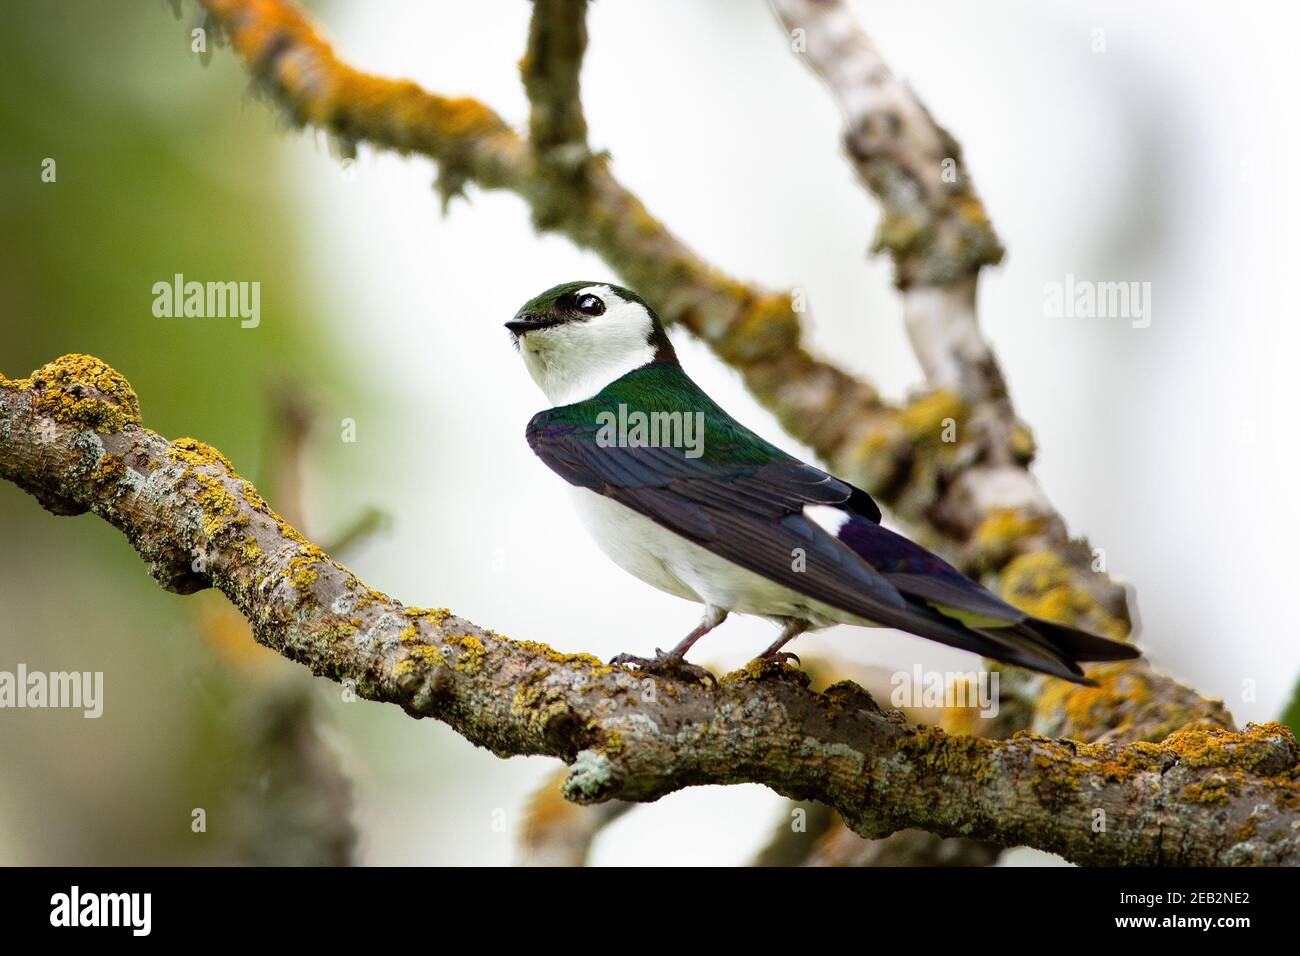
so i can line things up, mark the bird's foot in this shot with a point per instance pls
(666, 665)
(781, 657)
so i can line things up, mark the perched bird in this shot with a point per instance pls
(687, 499)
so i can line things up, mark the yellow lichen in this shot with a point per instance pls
(760, 668)
(1253, 750)
(82, 390)
(196, 454)
(254, 500)
(1214, 789)
(767, 325)
(302, 570)
(934, 418)
(1002, 531)
(948, 753)
(1042, 584)
(435, 616)
(595, 665)
(369, 597)
(110, 469)
(900, 233)
(220, 508)
(429, 654)
(473, 653)
(1023, 446)
(1123, 705)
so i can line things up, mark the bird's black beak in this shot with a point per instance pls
(528, 322)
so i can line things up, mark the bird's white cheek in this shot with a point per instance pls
(575, 361)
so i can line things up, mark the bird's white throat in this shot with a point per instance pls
(574, 361)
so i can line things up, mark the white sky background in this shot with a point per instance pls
(1164, 159)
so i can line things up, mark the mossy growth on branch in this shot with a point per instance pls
(83, 391)
(1043, 584)
(934, 417)
(1002, 533)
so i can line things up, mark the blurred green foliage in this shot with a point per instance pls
(1291, 716)
(163, 166)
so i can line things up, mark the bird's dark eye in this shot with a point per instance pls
(590, 305)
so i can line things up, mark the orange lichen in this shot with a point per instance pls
(284, 46)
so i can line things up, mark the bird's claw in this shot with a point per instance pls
(782, 657)
(666, 665)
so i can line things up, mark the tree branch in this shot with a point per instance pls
(933, 224)
(937, 233)
(71, 435)
(895, 452)
(755, 331)
(975, 495)
(557, 39)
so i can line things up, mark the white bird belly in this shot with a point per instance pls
(671, 563)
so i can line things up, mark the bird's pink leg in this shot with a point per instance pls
(674, 663)
(792, 629)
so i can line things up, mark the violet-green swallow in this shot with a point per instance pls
(687, 499)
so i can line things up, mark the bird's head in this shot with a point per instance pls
(578, 337)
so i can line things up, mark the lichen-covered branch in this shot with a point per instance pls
(897, 453)
(935, 229)
(71, 435)
(753, 330)
(974, 497)
(300, 811)
(933, 224)
(287, 57)
(937, 233)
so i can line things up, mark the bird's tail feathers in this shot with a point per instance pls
(1080, 645)
(1058, 646)
(1006, 644)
